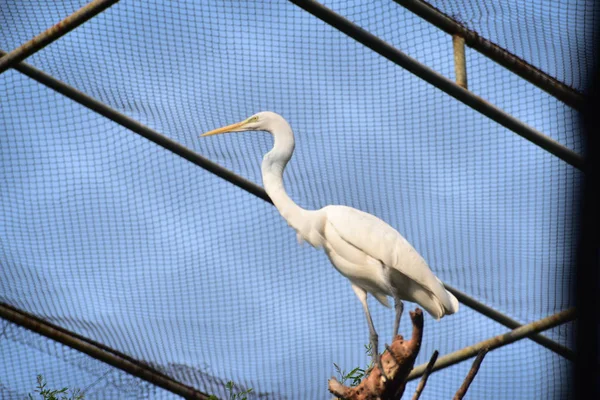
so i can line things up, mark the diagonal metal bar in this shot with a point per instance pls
(510, 323)
(497, 341)
(99, 352)
(140, 129)
(80, 16)
(441, 82)
(202, 162)
(494, 52)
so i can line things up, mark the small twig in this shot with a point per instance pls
(425, 376)
(471, 375)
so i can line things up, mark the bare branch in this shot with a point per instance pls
(471, 375)
(425, 376)
(504, 339)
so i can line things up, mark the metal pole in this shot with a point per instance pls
(140, 129)
(510, 323)
(460, 62)
(214, 168)
(441, 82)
(509, 61)
(51, 34)
(497, 341)
(99, 352)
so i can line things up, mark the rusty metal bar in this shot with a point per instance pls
(520, 67)
(460, 61)
(441, 82)
(51, 34)
(231, 177)
(99, 352)
(510, 323)
(497, 341)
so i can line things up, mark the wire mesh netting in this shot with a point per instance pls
(556, 37)
(59, 364)
(117, 239)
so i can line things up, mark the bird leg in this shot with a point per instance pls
(399, 309)
(398, 360)
(374, 338)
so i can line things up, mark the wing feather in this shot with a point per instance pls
(382, 242)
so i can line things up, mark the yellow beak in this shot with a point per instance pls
(225, 129)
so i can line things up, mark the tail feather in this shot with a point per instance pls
(429, 302)
(437, 304)
(450, 303)
(433, 297)
(453, 304)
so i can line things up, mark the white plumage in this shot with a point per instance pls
(374, 257)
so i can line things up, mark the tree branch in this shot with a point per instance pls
(471, 375)
(425, 376)
(397, 362)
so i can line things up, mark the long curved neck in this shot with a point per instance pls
(273, 164)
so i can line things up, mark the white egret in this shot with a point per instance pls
(363, 248)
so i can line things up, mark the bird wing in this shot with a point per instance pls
(379, 240)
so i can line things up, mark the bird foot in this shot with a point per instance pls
(377, 362)
(398, 358)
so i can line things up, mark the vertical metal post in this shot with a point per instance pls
(517, 65)
(460, 63)
(51, 34)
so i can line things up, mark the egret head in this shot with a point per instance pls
(262, 121)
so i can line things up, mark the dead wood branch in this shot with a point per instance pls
(471, 375)
(397, 363)
(425, 376)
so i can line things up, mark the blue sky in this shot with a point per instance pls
(117, 239)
